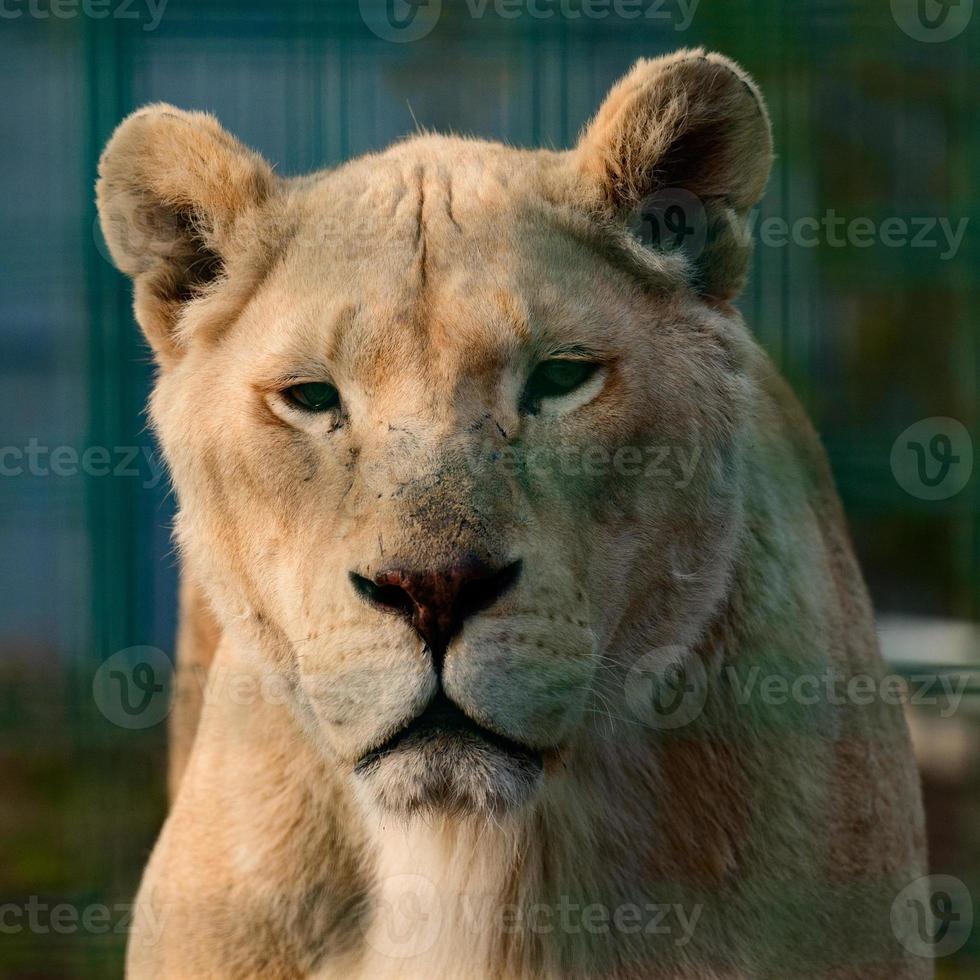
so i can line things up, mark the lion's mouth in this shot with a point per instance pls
(444, 726)
(445, 761)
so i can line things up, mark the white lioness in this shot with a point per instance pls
(518, 601)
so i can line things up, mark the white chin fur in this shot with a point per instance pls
(460, 775)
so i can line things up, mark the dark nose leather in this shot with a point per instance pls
(437, 603)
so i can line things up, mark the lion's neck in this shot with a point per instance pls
(515, 896)
(440, 890)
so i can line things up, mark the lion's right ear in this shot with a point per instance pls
(174, 192)
(688, 134)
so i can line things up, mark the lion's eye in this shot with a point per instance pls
(313, 396)
(557, 377)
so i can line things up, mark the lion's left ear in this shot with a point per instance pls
(175, 194)
(683, 142)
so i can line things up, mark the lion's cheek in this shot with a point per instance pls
(364, 683)
(524, 677)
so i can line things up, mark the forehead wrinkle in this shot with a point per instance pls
(420, 229)
(450, 214)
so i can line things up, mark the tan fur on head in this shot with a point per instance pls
(372, 794)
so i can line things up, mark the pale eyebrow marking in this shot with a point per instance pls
(515, 314)
(342, 325)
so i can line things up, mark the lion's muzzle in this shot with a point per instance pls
(437, 603)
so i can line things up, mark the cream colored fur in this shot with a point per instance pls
(425, 282)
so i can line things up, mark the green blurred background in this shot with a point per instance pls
(875, 117)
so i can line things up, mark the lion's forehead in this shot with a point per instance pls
(445, 258)
(428, 193)
(414, 255)
(477, 225)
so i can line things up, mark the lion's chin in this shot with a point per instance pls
(444, 762)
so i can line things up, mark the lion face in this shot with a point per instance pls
(450, 446)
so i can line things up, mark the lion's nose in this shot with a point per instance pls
(437, 603)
